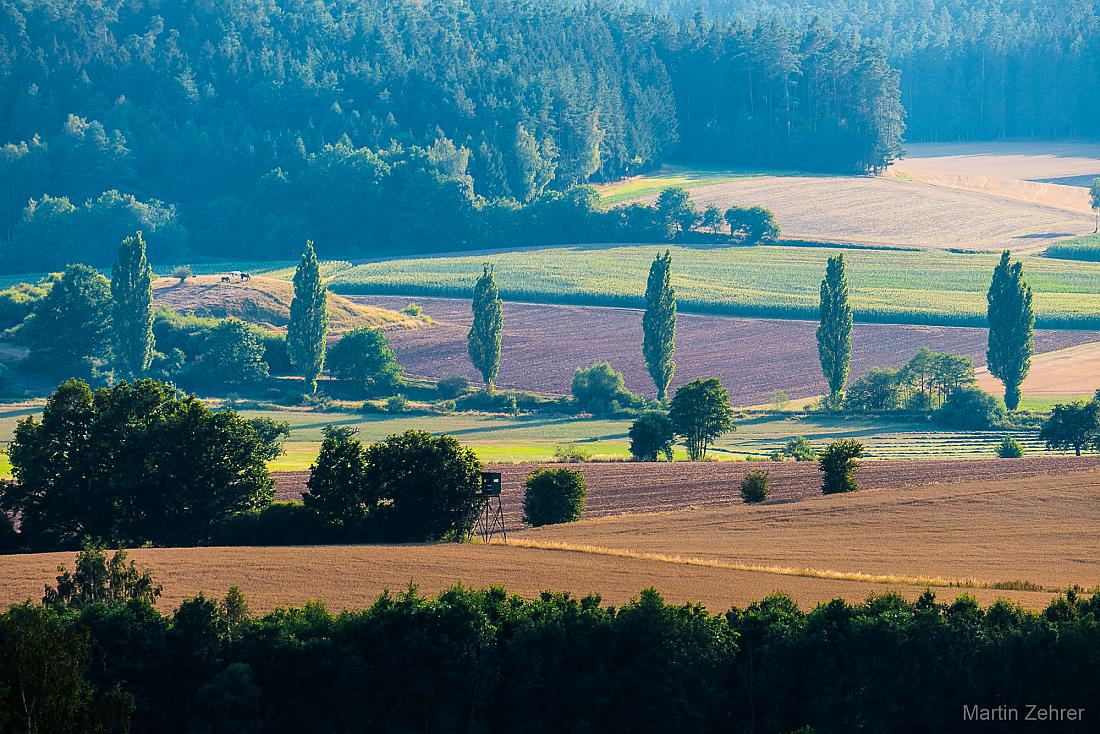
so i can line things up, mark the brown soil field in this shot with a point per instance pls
(543, 345)
(1070, 371)
(889, 211)
(266, 301)
(616, 488)
(351, 577)
(1040, 530)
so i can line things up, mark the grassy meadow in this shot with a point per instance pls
(890, 286)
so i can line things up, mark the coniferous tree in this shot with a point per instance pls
(834, 334)
(132, 308)
(1011, 327)
(483, 341)
(659, 324)
(308, 327)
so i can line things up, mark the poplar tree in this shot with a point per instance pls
(483, 341)
(1011, 327)
(308, 327)
(132, 308)
(659, 324)
(1094, 202)
(834, 334)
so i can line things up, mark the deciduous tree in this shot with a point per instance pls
(483, 341)
(308, 327)
(659, 324)
(1011, 326)
(700, 412)
(834, 334)
(132, 308)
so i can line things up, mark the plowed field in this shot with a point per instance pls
(616, 488)
(543, 345)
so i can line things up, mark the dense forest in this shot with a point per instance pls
(242, 129)
(971, 69)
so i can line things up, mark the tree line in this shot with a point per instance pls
(96, 655)
(243, 130)
(970, 69)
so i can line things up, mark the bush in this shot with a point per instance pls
(452, 388)
(600, 390)
(182, 273)
(486, 402)
(554, 496)
(1010, 448)
(364, 357)
(571, 453)
(838, 465)
(397, 404)
(798, 448)
(651, 436)
(968, 408)
(754, 486)
(280, 523)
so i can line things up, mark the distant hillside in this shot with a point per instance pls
(266, 302)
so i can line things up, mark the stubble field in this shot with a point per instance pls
(1021, 539)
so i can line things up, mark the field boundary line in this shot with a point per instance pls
(776, 570)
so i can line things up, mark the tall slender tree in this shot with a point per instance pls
(1094, 200)
(1011, 327)
(132, 308)
(483, 341)
(308, 327)
(659, 324)
(834, 334)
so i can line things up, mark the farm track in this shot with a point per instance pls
(543, 345)
(616, 488)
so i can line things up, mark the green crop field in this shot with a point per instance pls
(920, 287)
(1085, 247)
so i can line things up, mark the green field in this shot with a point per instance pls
(499, 438)
(921, 287)
(1085, 247)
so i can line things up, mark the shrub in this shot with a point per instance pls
(877, 391)
(1009, 448)
(397, 404)
(182, 273)
(651, 436)
(780, 398)
(968, 408)
(600, 390)
(280, 523)
(797, 448)
(754, 486)
(554, 496)
(571, 453)
(838, 464)
(364, 357)
(452, 388)
(484, 401)
(413, 309)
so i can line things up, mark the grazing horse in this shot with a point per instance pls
(246, 276)
(226, 279)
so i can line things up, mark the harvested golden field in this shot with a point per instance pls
(970, 537)
(351, 577)
(266, 301)
(1038, 530)
(1071, 371)
(1075, 164)
(891, 212)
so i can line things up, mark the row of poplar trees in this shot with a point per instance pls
(1010, 315)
